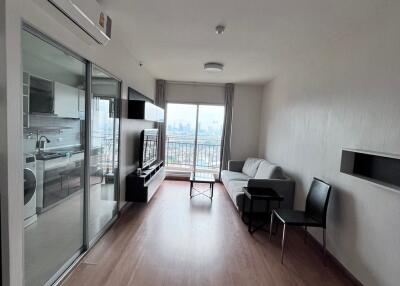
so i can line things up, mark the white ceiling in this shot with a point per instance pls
(174, 38)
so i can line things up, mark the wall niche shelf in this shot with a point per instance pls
(141, 107)
(378, 168)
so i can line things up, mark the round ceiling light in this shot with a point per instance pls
(220, 29)
(213, 67)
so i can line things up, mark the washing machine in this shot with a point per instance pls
(30, 216)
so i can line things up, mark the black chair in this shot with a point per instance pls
(313, 216)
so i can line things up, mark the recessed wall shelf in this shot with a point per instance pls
(379, 168)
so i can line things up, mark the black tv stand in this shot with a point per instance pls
(142, 187)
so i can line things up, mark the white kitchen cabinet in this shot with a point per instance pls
(66, 100)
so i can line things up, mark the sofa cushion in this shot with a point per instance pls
(235, 188)
(267, 170)
(250, 166)
(227, 176)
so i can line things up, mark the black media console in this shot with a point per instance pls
(141, 187)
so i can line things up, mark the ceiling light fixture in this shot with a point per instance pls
(220, 29)
(214, 67)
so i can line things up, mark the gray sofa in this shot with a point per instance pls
(256, 172)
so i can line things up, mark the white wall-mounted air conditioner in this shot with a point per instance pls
(87, 14)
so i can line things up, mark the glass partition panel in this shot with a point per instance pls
(54, 138)
(210, 125)
(194, 135)
(104, 151)
(181, 136)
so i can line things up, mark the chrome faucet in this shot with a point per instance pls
(39, 142)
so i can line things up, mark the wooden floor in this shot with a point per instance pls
(176, 240)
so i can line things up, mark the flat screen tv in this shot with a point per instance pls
(148, 147)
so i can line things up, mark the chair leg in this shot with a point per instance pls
(283, 241)
(324, 244)
(270, 224)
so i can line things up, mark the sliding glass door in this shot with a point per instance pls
(103, 196)
(181, 136)
(54, 154)
(194, 133)
(71, 155)
(210, 125)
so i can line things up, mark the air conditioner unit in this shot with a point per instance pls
(87, 14)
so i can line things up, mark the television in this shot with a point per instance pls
(148, 147)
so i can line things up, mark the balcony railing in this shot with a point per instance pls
(180, 153)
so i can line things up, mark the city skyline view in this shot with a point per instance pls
(182, 122)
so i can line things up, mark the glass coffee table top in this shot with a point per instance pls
(205, 178)
(201, 177)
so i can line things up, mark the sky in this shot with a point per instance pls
(209, 115)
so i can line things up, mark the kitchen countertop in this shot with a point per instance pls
(72, 150)
(62, 152)
(58, 153)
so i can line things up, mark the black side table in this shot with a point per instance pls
(259, 194)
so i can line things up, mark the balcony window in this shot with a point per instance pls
(194, 135)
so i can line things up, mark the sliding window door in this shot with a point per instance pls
(194, 133)
(181, 136)
(210, 124)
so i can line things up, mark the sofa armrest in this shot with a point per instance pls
(284, 188)
(235, 166)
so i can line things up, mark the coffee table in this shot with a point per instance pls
(205, 178)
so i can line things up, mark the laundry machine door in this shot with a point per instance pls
(29, 185)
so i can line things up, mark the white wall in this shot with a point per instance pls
(246, 121)
(114, 58)
(346, 96)
(246, 111)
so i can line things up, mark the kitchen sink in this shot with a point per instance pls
(48, 155)
(58, 153)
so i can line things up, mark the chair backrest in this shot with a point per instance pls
(317, 200)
